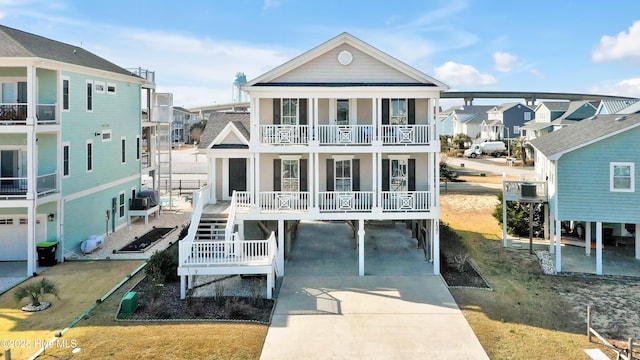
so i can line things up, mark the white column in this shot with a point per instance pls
(225, 179)
(310, 180)
(211, 179)
(504, 212)
(599, 248)
(240, 229)
(375, 175)
(546, 220)
(374, 117)
(255, 122)
(361, 247)
(637, 241)
(316, 164)
(587, 238)
(270, 285)
(552, 235)
(252, 174)
(558, 248)
(256, 190)
(378, 180)
(280, 254)
(31, 95)
(31, 243)
(183, 287)
(435, 240)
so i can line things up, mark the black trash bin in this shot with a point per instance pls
(47, 253)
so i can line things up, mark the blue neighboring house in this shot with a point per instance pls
(504, 121)
(70, 145)
(589, 169)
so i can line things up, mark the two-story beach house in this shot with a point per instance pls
(70, 145)
(343, 132)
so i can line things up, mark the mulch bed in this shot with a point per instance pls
(140, 244)
(168, 306)
(465, 277)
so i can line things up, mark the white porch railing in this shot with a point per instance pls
(243, 201)
(405, 134)
(232, 252)
(345, 134)
(284, 134)
(283, 201)
(338, 201)
(231, 219)
(200, 199)
(404, 201)
(525, 190)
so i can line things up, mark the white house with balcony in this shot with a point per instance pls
(343, 132)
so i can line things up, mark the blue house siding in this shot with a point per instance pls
(87, 215)
(583, 181)
(446, 126)
(118, 113)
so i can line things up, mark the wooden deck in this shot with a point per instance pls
(222, 207)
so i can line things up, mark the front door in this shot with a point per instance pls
(9, 170)
(237, 175)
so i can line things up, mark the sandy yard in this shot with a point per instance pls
(615, 308)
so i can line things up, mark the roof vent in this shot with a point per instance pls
(620, 118)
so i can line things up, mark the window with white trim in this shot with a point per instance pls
(342, 175)
(121, 205)
(138, 148)
(99, 87)
(66, 159)
(66, 82)
(398, 112)
(89, 95)
(290, 175)
(527, 115)
(342, 112)
(622, 175)
(111, 88)
(123, 150)
(399, 176)
(105, 135)
(89, 154)
(289, 112)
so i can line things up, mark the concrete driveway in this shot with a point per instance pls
(325, 311)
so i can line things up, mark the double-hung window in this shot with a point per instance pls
(66, 159)
(343, 175)
(398, 112)
(289, 111)
(89, 96)
(121, 205)
(622, 177)
(290, 179)
(123, 150)
(89, 155)
(65, 94)
(398, 177)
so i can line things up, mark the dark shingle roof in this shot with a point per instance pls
(17, 43)
(217, 122)
(584, 132)
(556, 105)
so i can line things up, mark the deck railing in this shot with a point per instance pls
(230, 252)
(16, 114)
(231, 219)
(404, 134)
(276, 201)
(338, 201)
(524, 190)
(345, 134)
(284, 134)
(17, 187)
(200, 199)
(404, 201)
(243, 201)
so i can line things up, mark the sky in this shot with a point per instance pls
(197, 46)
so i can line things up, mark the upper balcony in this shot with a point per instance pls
(16, 188)
(346, 135)
(16, 114)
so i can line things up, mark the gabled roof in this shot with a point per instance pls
(583, 133)
(19, 44)
(218, 121)
(420, 78)
(507, 106)
(578, 110)
(631, 109)
(554, 106)
(182, 110)
(613, 106)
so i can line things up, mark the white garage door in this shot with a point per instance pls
(13, 236)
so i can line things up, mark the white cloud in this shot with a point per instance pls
(504, 62)
(626, 45)
(537, 73)
(455, 74)
(2, 15)
(268, 4)
(628, 87)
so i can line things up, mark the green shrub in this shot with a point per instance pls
(164, 262)
(518, 217)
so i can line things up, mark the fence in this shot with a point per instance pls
(183, 186)
(624, 354)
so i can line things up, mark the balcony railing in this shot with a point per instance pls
(276, 201)
(16, 114)
(535, 191)
(17, 187)
(284, 134)
(404, 201)
(345, 134)
(234, 252)
(338, 201)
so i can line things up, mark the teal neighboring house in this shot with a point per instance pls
(589, 170)
(70, 145)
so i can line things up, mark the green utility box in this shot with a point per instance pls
(47, 253)
(129, 303)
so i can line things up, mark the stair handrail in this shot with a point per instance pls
(200, 198)
(231, 219)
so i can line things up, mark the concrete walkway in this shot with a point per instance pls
(397, 311)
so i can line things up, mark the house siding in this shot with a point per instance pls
(326, 69)
(583, 181)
